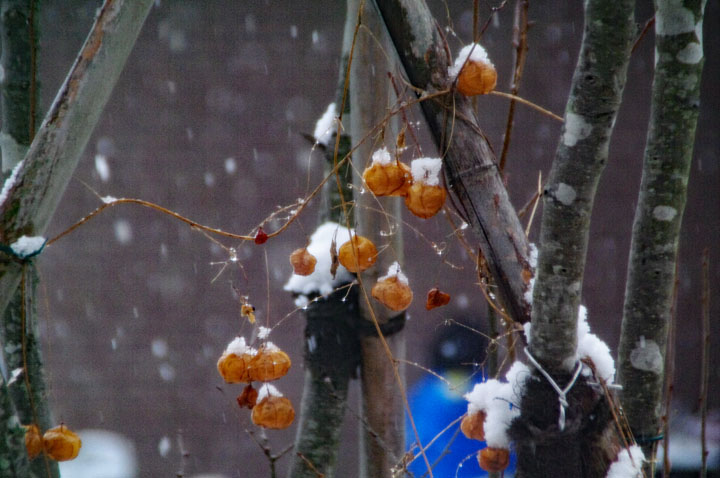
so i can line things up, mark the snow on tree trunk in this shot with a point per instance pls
(658, 216)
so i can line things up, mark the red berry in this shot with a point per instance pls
(261, 237)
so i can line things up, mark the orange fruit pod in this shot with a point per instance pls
(233, 364)
(61, 444)
(387, 176)
(476, 75)
(473, 425)
(436, 298)
(425, 197)
(393, 290)
(273, 412)
(425, 201)
(493, 459)
(357, 254)
(303, 262)
(477, 78)
(248, 397)
(33, 441)
(269, 364)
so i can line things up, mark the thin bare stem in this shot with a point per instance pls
(705, 370)
(529, 103)
(520, 29)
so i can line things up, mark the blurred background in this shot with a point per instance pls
(207, 120)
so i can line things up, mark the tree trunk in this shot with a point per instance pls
(371, 97)
(584, 446)
(18, 24)
(332, 349)
(658, 216)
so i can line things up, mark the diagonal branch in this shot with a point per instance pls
(56, 149)
(470, 164)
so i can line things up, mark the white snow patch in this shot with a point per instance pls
(664, 213)
(321, 281)
(576, 129)
(495, 399)
(326, 125)
(394, 271)
(426, 170)
(230, 165)
(476, 53)
(102, 167)
(646, 356)
(164, 446)
(123, 231)
(167, 372)
(108, 199)
(517, 376)
(672, 18)
(15, 375)
(239, 347)
(527, 328)
(565, 194)
(591, 346)
(382, 157)
(691, 54)
(10, 182)
(628, 464)
(263, 332)
(271, 347)
(301, 301)
(159, 348)
(27, 245)
(267, 390)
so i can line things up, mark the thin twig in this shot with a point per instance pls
(705, 374)
(528, 103)
(520, 29)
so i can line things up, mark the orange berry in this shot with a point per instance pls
(393, 293)
(303, 262)
(357, 254)
(269, 364)
(476, 78)
(425, 201)
(493, 459)
(33, 441)
(234, 368)
(473, 426)
(61, 444)
(392, 179)
(273, 412)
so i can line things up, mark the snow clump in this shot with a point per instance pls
(326, 125)
(475, 52)
(426, 171)
(628, 464)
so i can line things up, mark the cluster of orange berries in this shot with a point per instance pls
(424, 197)
(489, 458)
(242, 364)
(58, 443)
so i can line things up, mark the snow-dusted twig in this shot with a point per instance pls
(658, 215)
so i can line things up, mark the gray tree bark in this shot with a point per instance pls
(469, 163)
(371, 97)
(586, 444)
(18, 24)
(658, 216)
(332, 349)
